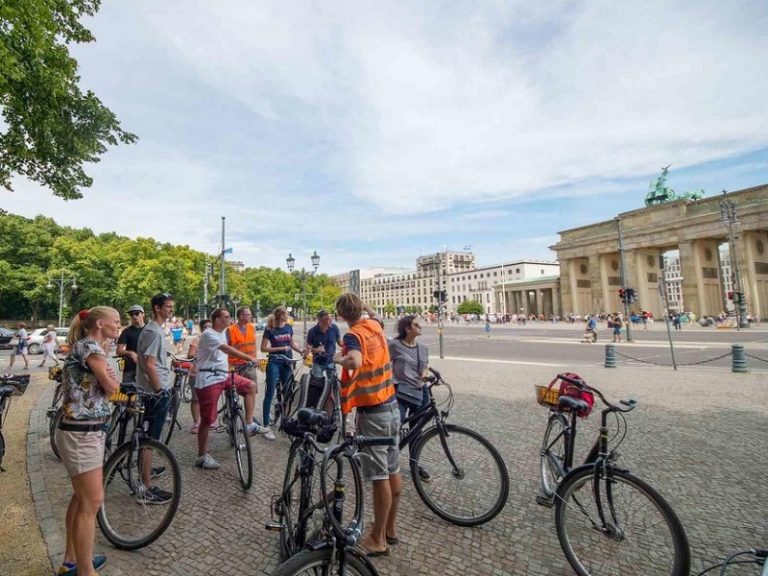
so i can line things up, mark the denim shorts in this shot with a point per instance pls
(380, 462)
(156, 409)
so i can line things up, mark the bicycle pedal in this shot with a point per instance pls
(273, 526)
(545, 501)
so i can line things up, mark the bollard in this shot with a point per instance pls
(738, 360)
(610, 356)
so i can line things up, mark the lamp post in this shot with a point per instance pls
(728, 216)
(61, 282)
(303, 275)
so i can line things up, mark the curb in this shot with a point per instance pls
(49, 524)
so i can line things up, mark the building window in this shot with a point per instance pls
(517, 270)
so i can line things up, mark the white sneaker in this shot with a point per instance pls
(206, 462)
(253, 428)
(268, 434)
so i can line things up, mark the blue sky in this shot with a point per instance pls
(374, 132)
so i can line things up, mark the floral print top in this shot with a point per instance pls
(84, 398)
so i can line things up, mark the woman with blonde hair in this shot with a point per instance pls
(88, 380)
(277, 341)
(49, 345)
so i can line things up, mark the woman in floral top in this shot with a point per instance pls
(88, 382)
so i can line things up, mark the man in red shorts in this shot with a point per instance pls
(213, 377)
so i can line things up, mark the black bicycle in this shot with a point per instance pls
(9, 386)
(288, 395)
(180, 387)
(330, 548)
(142, 481)
(55, 413)
(608, 520)
(457, 472)
(748, 556)
(232, 420)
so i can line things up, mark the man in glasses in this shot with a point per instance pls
(128, 342)
(153, 374)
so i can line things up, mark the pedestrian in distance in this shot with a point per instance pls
(88, 380)
(128, 341)
(366, 385)
(22, 338)
(49, 345)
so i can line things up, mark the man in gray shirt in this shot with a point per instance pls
(153, 371)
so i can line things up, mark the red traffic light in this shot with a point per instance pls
(730, 295)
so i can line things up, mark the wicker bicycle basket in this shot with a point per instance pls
(54, 373)
(121, 398)
(547, 396)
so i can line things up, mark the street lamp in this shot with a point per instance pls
(303, 275)
(61, 282)
(728, 216)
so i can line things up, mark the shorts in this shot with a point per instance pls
(382, 461)
(80, 451)
(251, 373)
(208, 397)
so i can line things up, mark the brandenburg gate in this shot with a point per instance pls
(590, 259)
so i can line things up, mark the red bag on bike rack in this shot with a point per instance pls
(568, 389)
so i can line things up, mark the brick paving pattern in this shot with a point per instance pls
(698, 436)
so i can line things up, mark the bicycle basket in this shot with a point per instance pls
(19, 382)
(547, 396)
(263, 364)
(54, 373)
(568, 389)
(308, 360)
(121, 398)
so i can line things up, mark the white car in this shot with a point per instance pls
(35, 340)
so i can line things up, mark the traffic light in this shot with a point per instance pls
(730, 295)
(441, 296)
(622, 296)
(631, 295)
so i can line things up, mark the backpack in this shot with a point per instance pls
(568, 389)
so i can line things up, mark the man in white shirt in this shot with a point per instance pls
(213, 377)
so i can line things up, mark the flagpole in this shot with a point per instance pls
(222, 274)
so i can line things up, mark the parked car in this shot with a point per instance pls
(6, 336)
(35, 340)
(260, 325)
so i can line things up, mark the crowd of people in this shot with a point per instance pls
(382, 381)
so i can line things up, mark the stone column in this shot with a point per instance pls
(690, 270)
(540, 302)
(566, 288)
(596, 281)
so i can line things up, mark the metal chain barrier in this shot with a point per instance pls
(748, 355)
(698, 362)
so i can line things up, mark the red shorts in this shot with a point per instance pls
(208, 397)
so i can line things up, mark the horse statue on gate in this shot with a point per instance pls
(660, 193)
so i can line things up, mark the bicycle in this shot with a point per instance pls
(133, 514)
(9, 386)
(759, 557)
(288, 395)
(179, 388)
(332, 548)
(54, 413)
(466, 481)
(232, 416)
(604, 515)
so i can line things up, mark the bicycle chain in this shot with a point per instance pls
(697, 363)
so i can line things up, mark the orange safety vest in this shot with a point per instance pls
(371, 384)
(245, 343)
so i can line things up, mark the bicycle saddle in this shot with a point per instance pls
(573, 404)
(7, 391)
(311, 417)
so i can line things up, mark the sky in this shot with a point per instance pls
(374, 132)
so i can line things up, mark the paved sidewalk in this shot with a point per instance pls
(698, 436)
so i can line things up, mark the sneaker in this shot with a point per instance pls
(158, 471)
(194, 428)
(155, 496)
(268, 434)
(253, 428)
(206, 462)
(70, 568)
(424, 475)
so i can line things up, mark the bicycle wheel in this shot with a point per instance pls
(242, 445)
(641, 535)
(289, 504)
(2, 447)
(468, 482)
(314, 562)
(130, 517)
(553, 454)
(186, 390)
(171, 419)
(54, 424)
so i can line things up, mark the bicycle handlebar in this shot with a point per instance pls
(630, 404)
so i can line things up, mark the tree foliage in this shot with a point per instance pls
(51, 127)
(470, 307)
(119, 271)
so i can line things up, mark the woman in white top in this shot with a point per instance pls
(49, 345)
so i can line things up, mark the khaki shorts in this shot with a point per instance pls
(380, 462)
(80, 451)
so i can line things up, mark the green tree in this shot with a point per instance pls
(470, 307)
(389, 309)
(51, 128)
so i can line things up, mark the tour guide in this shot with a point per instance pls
(366, 384)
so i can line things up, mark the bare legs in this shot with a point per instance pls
(386, 498)
(81, 519)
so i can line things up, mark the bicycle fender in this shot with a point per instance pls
(588, 466)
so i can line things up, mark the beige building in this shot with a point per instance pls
(590, 262)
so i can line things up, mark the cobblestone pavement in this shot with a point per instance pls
(698, 436)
